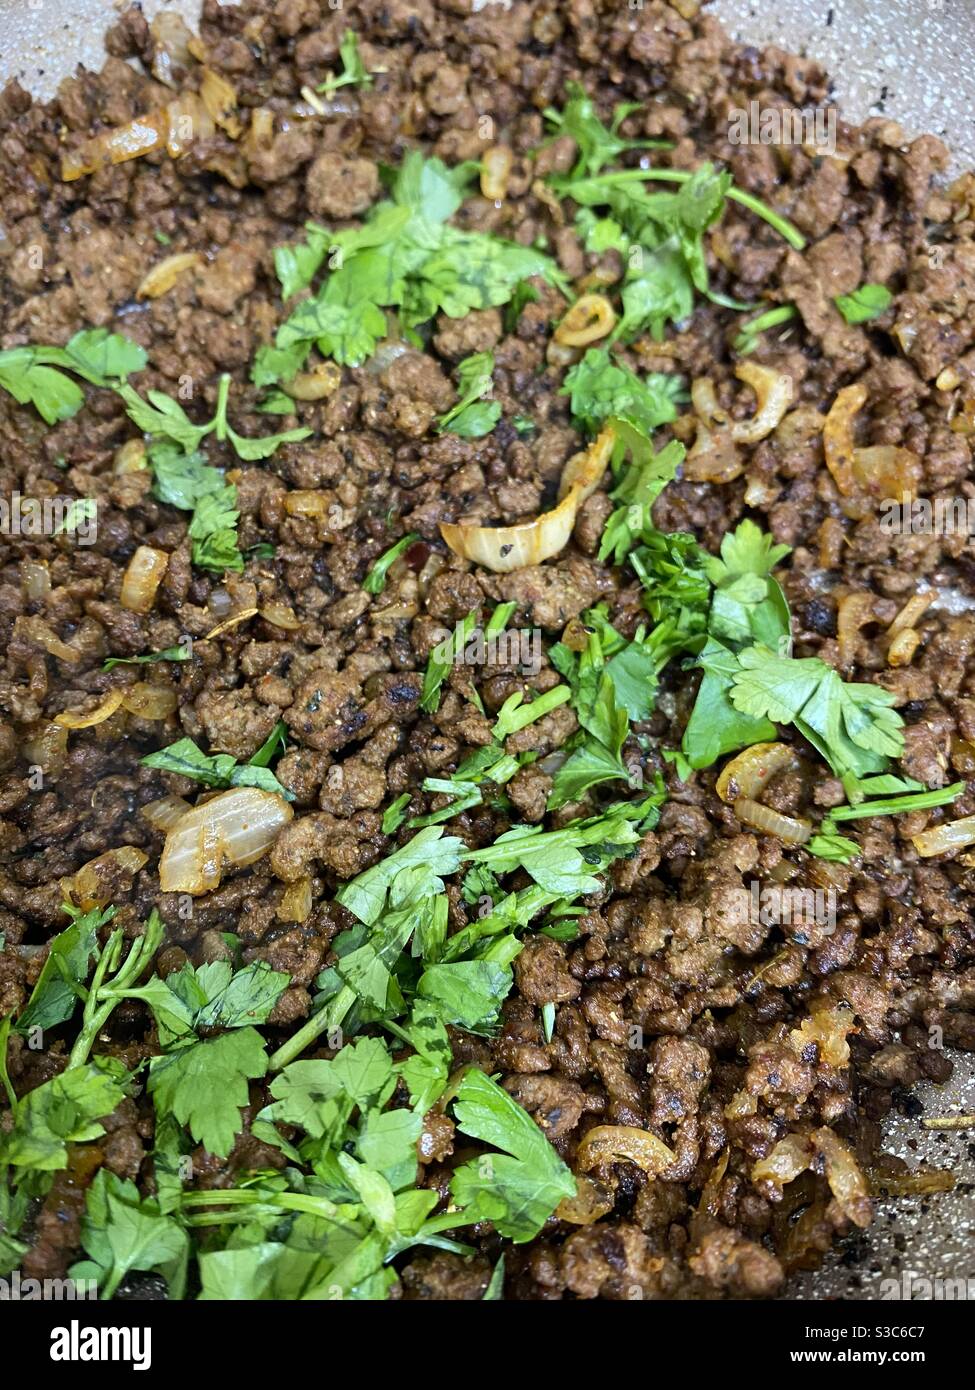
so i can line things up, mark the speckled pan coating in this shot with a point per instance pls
(911, 60)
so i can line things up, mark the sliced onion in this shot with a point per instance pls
(36, 579)
(838, 444)
(901, 650)
(789, 1157)
(87, 719)
(846, 1180)
(916, 1184)
(95, 883)
(130, 457)
(46, 746)
(887, 471)
(713, 457)
(506, 548)
(853, 613)
(753, 769)
(172, 42)
(768, 822)
(164, 275)
(589, 319)
(144, 135)
(495, 172)
(312, 502)
(591, 1201)
(220, 99)
(955, 834)
(143, 575)
(774, 393)
(243, 616)
(188, 120)
(37, 630)
(150, 701)
(296, 902)
(163, 813)
(915, 607)
(322, 381)
(235, 828)
(280, 614)
(828, 1029)
(615, 1143)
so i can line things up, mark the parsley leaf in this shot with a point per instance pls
(121, 1232)
(468, 994)
(597, 145)
(221, 770)
(65, 1110)
(601, 388)
(638, 488)
(180, 653)
(472, 416)
(64, 972)
(864, 304)
(519, 1188)
(354, 72)
(204, 1085)
(375, 580)
(32, 377)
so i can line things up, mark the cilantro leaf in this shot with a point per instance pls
(864, 304)
(637, 490)
(31, 374)
(442, 659)
(204, 1085)
(518, 1188)
(429, 851)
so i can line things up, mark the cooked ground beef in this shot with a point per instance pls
(674, 1013)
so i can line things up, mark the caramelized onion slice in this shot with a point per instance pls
(164, 274)
(165, 812)
(234, 828)
(592, 1200)
(753, 769)
(787, 1159)
(768, 822)
(774, 392)
(846, 1180)
(614, 1143)
(838, 436)
(150, 701)
(96, 883)
(143, 575)
(506, 548)
(954, 834)
(87, 719)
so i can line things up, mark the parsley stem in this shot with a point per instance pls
(99, 1005)
(223, 395)
(330, 1016)
(249, 1196)
(899, 805)
(5, 1027)
(738, 195)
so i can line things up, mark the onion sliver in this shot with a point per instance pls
(592, 1200)
(768, 822)
(618, 1143)
(955, 834)
(506, 548)
(96, 883)
(76, 719)
(774, 392)
(165, 812)
(235, 828)
(753, 769)
(838, 436)
(846, 1180)
(150, 701)
(163, 276)
(143, 575)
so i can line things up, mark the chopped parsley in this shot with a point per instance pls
(473, 416)
(864, 304)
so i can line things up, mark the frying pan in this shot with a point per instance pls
(912, 61)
